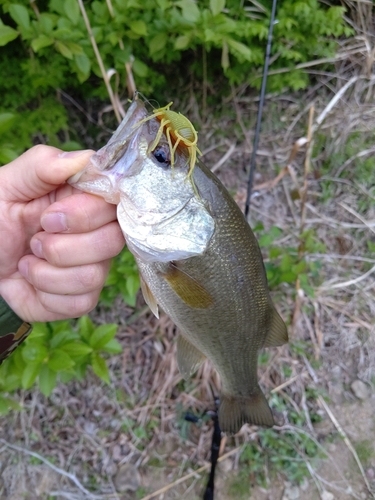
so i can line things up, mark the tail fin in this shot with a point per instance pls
(235, 411)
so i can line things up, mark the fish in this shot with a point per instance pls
(197, 256)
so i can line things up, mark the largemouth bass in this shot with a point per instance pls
(197, 256)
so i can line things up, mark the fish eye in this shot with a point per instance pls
(162, 156)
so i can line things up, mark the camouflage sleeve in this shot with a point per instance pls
(13, 330)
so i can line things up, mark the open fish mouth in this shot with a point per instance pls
(101, 175)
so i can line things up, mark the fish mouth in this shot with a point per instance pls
(116, 159)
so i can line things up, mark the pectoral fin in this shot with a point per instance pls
(187, 288)
(189, 358)
(149, 297)
(277, 334)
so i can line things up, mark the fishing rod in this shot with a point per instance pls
(215, 449)
(260, 109)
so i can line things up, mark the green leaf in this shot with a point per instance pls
(288, 277)
(47, 23)
(112, 347)
(102, 335)
(62, 338)
(6, 121)
(66, 377)
(7, 34)
(83, 64)
(40, 330)
(13, 381)
(29, 375)
(158, 43)
(75, 48)
(4, 406)
(132, 286)
(47, 380)
(240, 48)
(140, 69)
(163, 4)
(60, 326)
(20, 15)
(34, 352)
(77, 349)
(7, 155)
(182, 42)
(79, 372)
(71, 146)
(63, 49)
(40, 42)
(14, 405)
(71, 9)
(274, 252)
(62, 33)
(60, 360)
(99, 367)
(190, 10)
(139, 27)
(217, 6)
(86, 327)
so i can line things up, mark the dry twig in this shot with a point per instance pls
(100, 61)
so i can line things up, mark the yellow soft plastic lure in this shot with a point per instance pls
(178, 128)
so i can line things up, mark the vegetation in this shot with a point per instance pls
(57, 351)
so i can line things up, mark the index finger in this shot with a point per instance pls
(77, 213)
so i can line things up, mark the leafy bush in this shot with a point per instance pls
(47, 48)
(57, 351)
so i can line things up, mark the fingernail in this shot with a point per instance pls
(73, 154)
(54, 222)
(36, 248)
(23, 268)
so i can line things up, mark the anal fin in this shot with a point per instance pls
(149, 297)
(187, 288)
(189, 358)
(277, 334)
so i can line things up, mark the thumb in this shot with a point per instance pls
(38, 171)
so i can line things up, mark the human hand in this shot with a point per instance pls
(56, 242)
